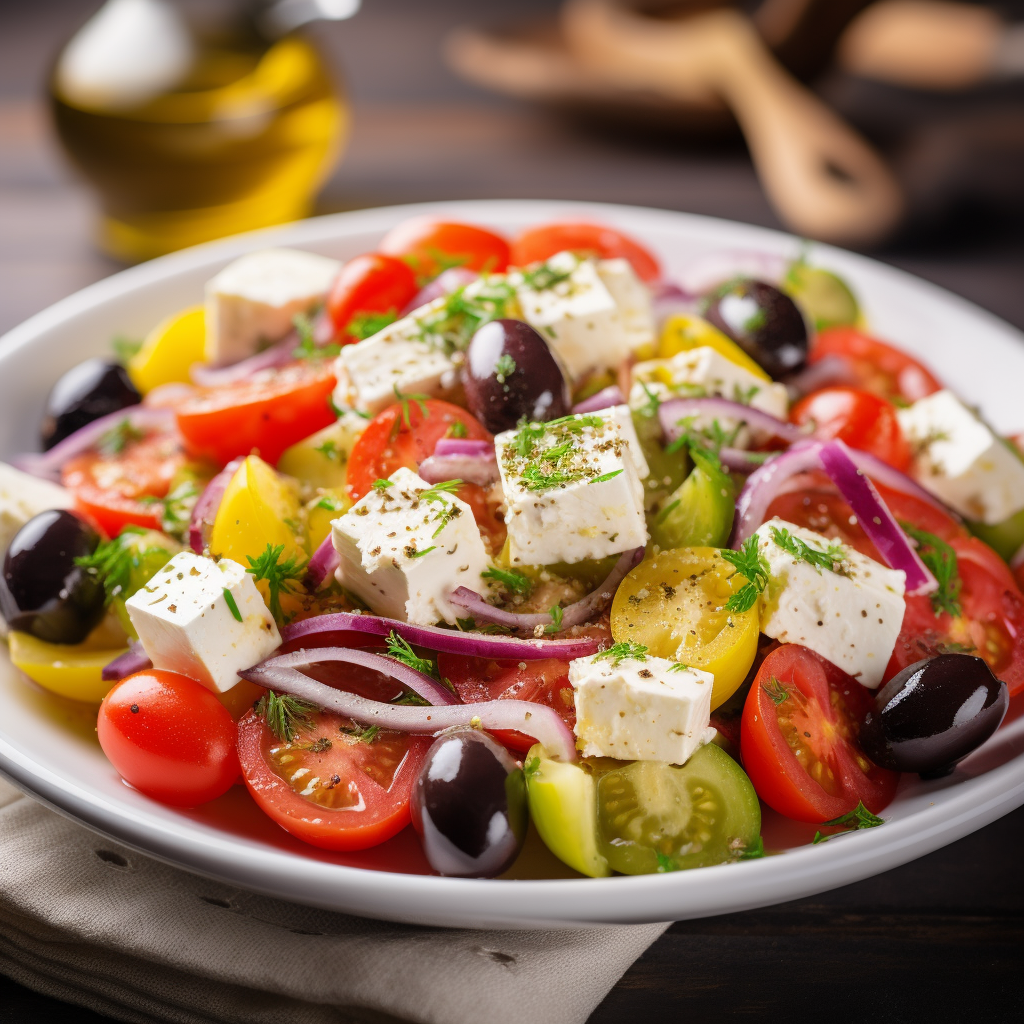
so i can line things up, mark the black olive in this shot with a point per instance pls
(469, 806)
(86, 392)
(42, 591)
(765, 322)
(933, 714)
(510, 373)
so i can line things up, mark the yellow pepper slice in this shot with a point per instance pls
(682, 333)
(169, 350)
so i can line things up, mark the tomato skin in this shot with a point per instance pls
(860, 418)
(542, 242)
(404, 436)
(875, 366)
(385, 814)
(177, 745)
(827, 707)
(107, 488)
(269, 412)
(421, 240)
(371, 283)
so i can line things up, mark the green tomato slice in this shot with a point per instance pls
(825, 299)
(699, 513)
(659, 817)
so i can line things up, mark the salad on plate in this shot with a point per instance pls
(486, 535)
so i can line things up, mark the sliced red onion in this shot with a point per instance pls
(49, 464)
(473, 469)
(742, 461)
(135, 659)
(875, 518)
(218, 376)
(324, 563)
(574, 614)
(449, 641)
(463, 446)
(668, 299)
(205, 510)
(420, 684)
(671, 411)
(604, 399)
(884, 474)
(169, 396)
(536, 720)
(826, 372)
(445, 283)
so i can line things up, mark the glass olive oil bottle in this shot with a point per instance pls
(208, 136)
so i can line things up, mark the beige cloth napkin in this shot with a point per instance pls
(89, 921)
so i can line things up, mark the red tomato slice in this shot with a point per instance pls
(542, 242)
(267, 413)
(328, 787)
(372, 283)
(875, 366)
(798, 738)
(543, 682)
(117, 490)
(169, 737)
(404, 434)
(860, 418)
(431, 245)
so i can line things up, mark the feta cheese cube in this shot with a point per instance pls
(570, 305)
(187, 624)
(961, 461)
(645, 709)
(23, 496)
(572, 490)
(850, 614)
(252, 301)
(405, 548)
(705, 372)
(623, 419)
(632, 298)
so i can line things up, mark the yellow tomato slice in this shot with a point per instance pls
(682, 333)
(322, 511)
(674, 604)
(169, 350)
(71, 670)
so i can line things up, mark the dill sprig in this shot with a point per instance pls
(404, 400)
(624, 650)
(860, 817)
(280, 575)
(114, 560)
(400, 649)
(119, 437)
(366, 325)
(831, 558)
(941, 560)
(753, 567)
(515, 582)
(285, 715)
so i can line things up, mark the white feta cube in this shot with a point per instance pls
(404, 548)
(23, 496)
(623, 419)
(251, 303)
(572, 490)
(961, 461)
(571, 307)
(705, 372)
(850, 614)
(188, 624)
(645, 709)
(632, 298)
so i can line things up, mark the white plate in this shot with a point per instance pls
(47, 746)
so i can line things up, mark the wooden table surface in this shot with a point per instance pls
(937, 940)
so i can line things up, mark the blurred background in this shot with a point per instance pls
(910, 133)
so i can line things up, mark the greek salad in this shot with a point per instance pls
(473, 532)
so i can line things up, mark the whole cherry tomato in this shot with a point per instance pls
(369, 285)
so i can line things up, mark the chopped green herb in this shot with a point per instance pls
(280, 575)
(119, 437)
(753, 567)
(652, 405)
(400, 650)
(360, 735)
(457, 429)
(669, 509)
(504, 367)
(330, 451)
(380, 484)
(606, 476)
(941, 560)
(285, 714)
(366, 325)
(404, 400)
(330, 504)
(860, 817)
(113, 561)
(531, 767)
(411, 699)
(413, 553)
(125, 347)
(556, 619)
(754, 851)
(775, 689)
(177, 509)
(229, 600)
(543, 277)
(744, 395)
(622, 651)
(831, 558)
(680, 666)
(307, 347)
(512, 581)
(665, 863)
(451, 327)
(319, 745)
(437, 491)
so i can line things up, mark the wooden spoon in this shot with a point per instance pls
(822, 178)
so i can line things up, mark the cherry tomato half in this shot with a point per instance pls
(334, 785)
(540, 243)
(372, 283)
(169, 737)
(268, 412)
(875, 366)
(119, 489)
(798, 738)
(860, 418)
(431, 245)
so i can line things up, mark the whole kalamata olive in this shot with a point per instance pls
(469, 806)
(42, 591)
(765, 322)
(510, 373)
(86, 392)
(933, 714)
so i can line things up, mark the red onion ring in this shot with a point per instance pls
(49, 464)
(604, 399)
(324, 563)
(449, 641)
(135, 659)
(463, 446)
(875, 518)
(575, 614)
(473, 469)
(672, 410)
(669, 299)
(205, 510)
(218, 376)
(445, 283)
(826, 372)
(420, 684)
(535, 720)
